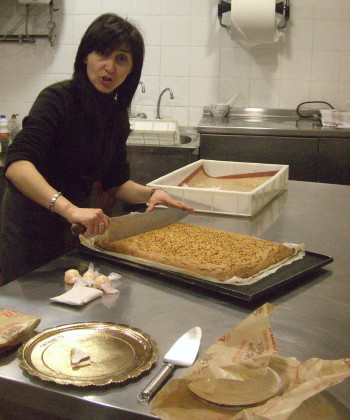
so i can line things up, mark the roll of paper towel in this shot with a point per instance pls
(255, 20)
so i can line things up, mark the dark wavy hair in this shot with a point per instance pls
(105, 34)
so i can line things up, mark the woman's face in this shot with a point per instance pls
(107, 72)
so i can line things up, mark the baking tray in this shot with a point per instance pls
(283, 276)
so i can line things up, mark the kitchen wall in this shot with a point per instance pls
(188, 51)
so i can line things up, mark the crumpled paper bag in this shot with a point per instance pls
(15, 327)
(244, 353)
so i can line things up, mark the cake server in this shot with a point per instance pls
(134, 223)
(182, 353)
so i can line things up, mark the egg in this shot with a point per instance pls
(71, 275)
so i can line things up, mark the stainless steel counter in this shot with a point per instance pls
(275, 122)
(312, 320)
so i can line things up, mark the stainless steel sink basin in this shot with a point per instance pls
(185, 139)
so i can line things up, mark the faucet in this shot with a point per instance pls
(143, 90)
(159, 99)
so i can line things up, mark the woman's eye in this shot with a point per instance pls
(122, 58)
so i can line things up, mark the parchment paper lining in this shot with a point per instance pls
(237, 281)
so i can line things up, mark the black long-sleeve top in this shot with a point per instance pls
(73, 141)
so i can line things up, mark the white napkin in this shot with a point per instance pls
(335, 118)
(78, 296)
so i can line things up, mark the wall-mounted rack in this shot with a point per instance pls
(30, 38)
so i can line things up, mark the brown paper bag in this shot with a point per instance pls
(15, 328)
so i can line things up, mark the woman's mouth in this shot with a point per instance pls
(106, 79)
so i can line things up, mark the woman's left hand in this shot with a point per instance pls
(162, 197)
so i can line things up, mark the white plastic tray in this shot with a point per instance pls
(220, 201)
(155, 132)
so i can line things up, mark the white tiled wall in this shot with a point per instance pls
(188, 51)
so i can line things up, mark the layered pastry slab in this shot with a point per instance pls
(204, 252)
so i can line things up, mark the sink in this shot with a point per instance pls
(185, 139)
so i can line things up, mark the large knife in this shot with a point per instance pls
(134, 223)
(182, 353)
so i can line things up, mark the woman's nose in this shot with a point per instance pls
(110, 67)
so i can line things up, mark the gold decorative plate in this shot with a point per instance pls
(117, 353)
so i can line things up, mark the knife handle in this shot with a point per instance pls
(77, 229)
(150, 390)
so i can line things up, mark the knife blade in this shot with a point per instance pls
(182, 353)
(135, 223)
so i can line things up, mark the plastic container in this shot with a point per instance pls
(211, 200)
(4, 132)
(13, 127)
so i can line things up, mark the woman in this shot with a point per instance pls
(74, 135)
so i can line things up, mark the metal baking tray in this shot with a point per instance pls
(282, 277)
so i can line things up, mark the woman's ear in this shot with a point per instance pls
(85, 60)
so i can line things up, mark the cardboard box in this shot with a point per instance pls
(220, 201)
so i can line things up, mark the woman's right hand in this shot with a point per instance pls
(94, 220)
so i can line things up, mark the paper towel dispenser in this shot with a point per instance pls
(256, 20)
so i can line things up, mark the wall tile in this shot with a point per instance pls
(325, 9)
(235, 63)
(296, 64)
(344, 72)
(327, 35)
(175, 8)
(299, 34)
(8, 83)
(60, 60)
(265, 64)
(175, 61)
(302, 9)
(175, 31)
(32, 58)
(232, 87)
(151, 65)
(80, 25)
(204, 91)
(204, 8)
(145, 7)
(345, 35)
(325, 91)
(325, 66)
(205, 62)
(120, 7)
(204, 32)
(344, 96)
(293, 92)
(264, 93)
(149, 27)
(346, 9)
(84, 7)
(9, 57)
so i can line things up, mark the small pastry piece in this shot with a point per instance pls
(71, 276)
(78, 358)
(100, 280)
